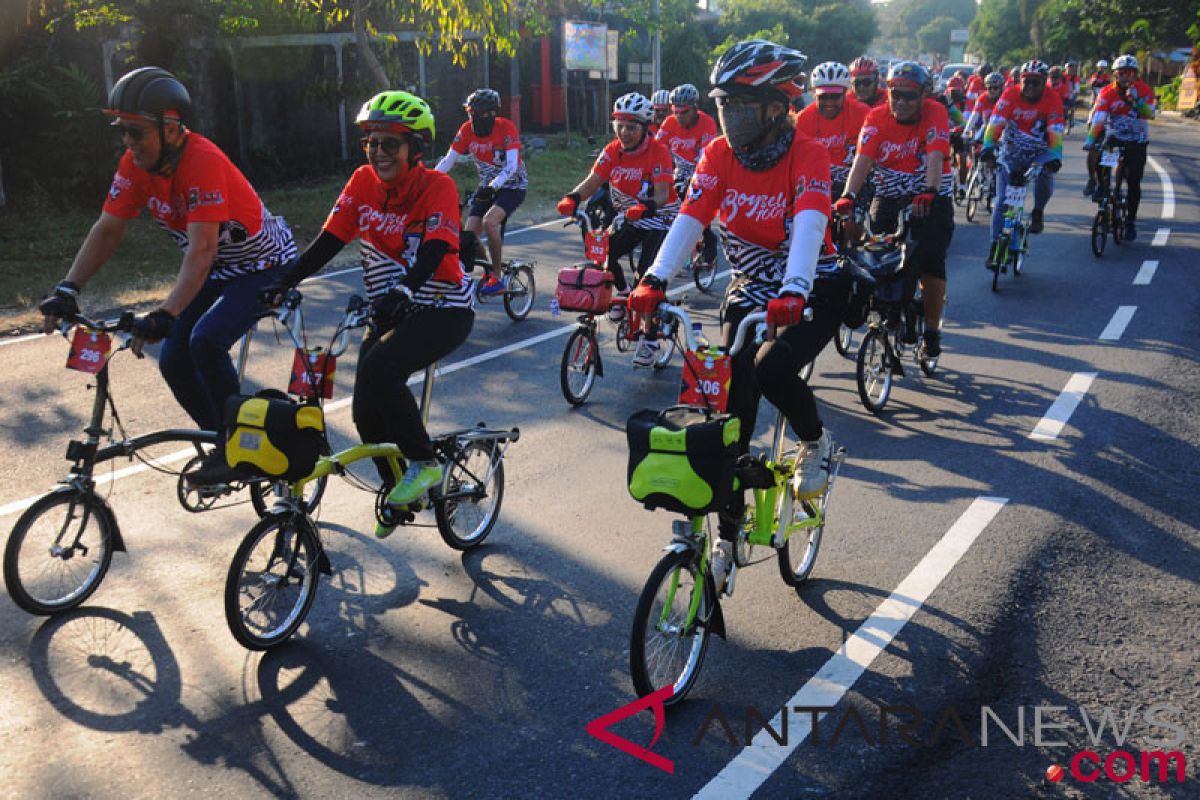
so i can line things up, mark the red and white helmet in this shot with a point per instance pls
(864, 66)
(633, 107)
(1035, 67)
(1126, 61)
(660, 99)
(757, 66)
(830, 77)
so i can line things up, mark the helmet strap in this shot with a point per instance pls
(169, 154)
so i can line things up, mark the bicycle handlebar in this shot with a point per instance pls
(289, 315)
(757, 319)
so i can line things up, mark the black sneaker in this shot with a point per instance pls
(1130, 230)
(931, 345)
(1035, 222)
(211, 470)
(1090, 188)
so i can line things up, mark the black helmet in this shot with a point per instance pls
(483, 100)
(757, 66)
(151, 93)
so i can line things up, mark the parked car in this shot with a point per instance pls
(948, 72)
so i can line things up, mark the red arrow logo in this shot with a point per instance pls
(599, 728)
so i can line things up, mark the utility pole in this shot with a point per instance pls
(657, 47)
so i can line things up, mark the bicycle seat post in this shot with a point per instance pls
(427, 393)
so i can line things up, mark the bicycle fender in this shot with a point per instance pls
(118, 543)
(716, 620)
(599, 364)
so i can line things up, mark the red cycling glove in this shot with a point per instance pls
(844, 206)
(922, 204)
(568, 205)
(787, 309)
(646, 208)
(647, 296)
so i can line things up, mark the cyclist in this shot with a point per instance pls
(1031, 120)
(1072, 77)
(232, 247)
(639, 173)
(686, 133)
(1061, 87)
(907, 143)
(982, 111)
(494, 144)
(406, 216)
(660, 101)
(768, 184)
(864, 77)
(1120, 120)
(975, 83)
(1100, 78)
(956, 105)
(835, 121)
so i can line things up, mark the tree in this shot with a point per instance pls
(934, 36)
(913, 15)
(1000, 33)
(822, 30)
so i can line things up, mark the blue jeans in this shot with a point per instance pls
(195, 358)
(1042, 190)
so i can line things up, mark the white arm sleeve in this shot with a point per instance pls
(808, 233)
(448, 161)
(679, 243)
(511, 159)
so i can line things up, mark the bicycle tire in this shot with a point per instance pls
(577, 373)
(526, 291)
(873, 371)
(660, 631)
(459, 494)
(798, 555)
(974, 195)
(999, 257)
(1117, 226)
(75, 577)
(1099, 232)
(703, 275)
(290, 564)
(844, 340)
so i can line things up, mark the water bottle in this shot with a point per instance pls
(698, 335)
(555, 308)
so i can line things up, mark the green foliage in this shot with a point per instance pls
(913, 15)
(1000, 32)
(821, 30)
(934, 36)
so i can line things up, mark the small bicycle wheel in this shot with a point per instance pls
(472, 490)
(1099, 232)
(666, 349)
(272, 581)
(58, 552)
(874, 371)
(703, 274)
(520, 293)
(1118, 221)
(974, 195)
(623, 343)
(844, 340)
(666, 647)
(260, 491)
(999, 260)
(577, 375)
(798, 555)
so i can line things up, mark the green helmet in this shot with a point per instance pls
(409, 112)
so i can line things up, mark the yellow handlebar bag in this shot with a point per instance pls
(269, 435)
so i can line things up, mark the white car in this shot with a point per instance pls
(948, 72)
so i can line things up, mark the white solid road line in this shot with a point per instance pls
(1056, 418)
(756, 763)
(1145, 274)
(1160, 237)
(1168, 188)
(1116, 326)
(21, 505)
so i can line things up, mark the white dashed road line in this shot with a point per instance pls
(1160, 237)
(1056, 418)
(1145, 274)
(756, 763)
(1116, 326)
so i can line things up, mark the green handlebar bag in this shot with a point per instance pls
(682, 459)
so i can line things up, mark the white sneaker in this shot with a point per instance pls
(646, 353)
(721, 563)
(812, 466)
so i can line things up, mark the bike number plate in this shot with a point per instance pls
(89, 350)
(1109, 158)
(706, 379)
(1015, 196)
(318, 383)
(595, 248)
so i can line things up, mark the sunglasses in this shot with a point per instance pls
(864, 81)
(389, 146)
(135, 133)
(906, 96)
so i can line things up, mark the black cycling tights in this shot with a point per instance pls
(623, 242)
(1134, 166)
(384, 407)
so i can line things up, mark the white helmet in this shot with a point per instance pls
(634, 107)
(830, 73)
(1126, 62)
(1102, 64)
(660, 98)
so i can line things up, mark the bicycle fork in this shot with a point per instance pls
(689, 536)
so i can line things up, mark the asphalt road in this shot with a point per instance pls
(970, 573)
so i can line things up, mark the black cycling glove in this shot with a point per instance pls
(390, 308)
(62, 302)
(154, 326)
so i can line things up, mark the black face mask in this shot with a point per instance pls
(482, 126)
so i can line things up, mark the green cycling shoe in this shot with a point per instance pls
(419, 478)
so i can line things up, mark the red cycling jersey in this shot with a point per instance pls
(1063, 90)
(205, 187)
(632, 177)
(490, 152)
(839, 135)
(975, 88)
(686, 144)
(392, 220)
(900, 150)
(755, 209)
(981, 114)
(1030, 129)
(1123, 116)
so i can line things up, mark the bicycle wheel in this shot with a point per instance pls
(703, 274)
(874, 371)
(1118, 221)
(666, 349)
(999, 259)
(577, 375)
(472, 490)
(1100, 232)
(58, 552)
(520, 294)
(272, 581)
(623, 344)
(260, 491)
(974, 195)
(844, 340)
(798, 555)
(665, 647)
